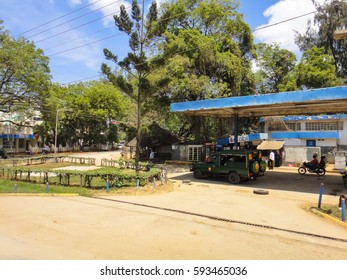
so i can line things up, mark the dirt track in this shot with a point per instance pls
(64, 227)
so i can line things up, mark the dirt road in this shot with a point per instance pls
(63, 227)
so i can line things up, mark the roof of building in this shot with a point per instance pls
(307, 102)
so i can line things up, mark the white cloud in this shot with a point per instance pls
(283, 33)
(73, 3)
(108, 8)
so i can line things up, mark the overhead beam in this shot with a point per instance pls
(317, 101)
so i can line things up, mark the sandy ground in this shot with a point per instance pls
(72, 227)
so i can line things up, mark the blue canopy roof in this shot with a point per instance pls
(315, 101)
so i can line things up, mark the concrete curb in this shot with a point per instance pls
(39, 194)
(330, 218)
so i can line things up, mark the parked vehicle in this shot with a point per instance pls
(235, 165)
(45, 150)
(316, 169)
(3, 153)
(85, 148)
(120, 146)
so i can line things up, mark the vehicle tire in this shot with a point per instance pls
(197, 174)
(233, 178)
(262, 192)
(302, 170)
(255, 167)
(321, 172)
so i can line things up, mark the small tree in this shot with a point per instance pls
(133, 79)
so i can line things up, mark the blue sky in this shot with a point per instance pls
(75, 42)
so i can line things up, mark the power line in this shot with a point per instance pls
(80, 25)
(60, 17)
(90, 43)
(264, 27)
(76, 27)
(82, 37)
(283, 21)
(73, 19)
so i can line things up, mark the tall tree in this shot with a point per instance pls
(24, 74)
(330, 16)
(206, 51)
(133, 79)
(316, 69)
(274, 65)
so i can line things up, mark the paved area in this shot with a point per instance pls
(124, 227)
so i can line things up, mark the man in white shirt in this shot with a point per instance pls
(271, 160)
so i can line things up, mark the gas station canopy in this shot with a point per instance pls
(307, 102)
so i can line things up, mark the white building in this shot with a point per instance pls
(17, 138)
(326, 132)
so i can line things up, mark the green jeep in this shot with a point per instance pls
(236, 165)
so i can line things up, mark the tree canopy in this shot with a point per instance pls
(274, 65)
(329, 17)
(24, 72)
(86, 112)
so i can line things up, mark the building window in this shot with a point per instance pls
(194, 153)
(311, 143)
(282, 126)
(293, 126)
(314, 126)
(21, 143)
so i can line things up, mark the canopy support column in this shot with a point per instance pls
(236, 128)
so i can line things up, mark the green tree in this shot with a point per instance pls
(133, 79)
(24, 75)
(86, 112)
(206, 49)
(274, 66)
(329, 17)
(316, 69)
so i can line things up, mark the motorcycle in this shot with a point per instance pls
(316, 169)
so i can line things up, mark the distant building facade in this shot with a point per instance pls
(329, 132)
(17, 138)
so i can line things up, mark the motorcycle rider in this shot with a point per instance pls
(314, 162)
(322, 162)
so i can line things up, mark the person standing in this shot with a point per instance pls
(271, 160)
(151, 155)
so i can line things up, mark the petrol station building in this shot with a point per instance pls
(307, 120)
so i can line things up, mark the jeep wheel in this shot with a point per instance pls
(233, 178)
(197, 174)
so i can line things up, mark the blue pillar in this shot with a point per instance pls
(15, 188)
(107, 185)
(47, 187)
(343, 209)
(236, 128)
(320, 195)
